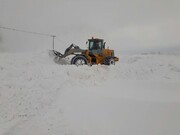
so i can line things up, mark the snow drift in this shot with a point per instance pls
(137, 96)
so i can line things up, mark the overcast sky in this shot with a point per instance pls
(126, 25)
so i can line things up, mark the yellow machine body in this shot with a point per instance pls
(100, 58)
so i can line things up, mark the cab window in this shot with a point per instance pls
(95, 45)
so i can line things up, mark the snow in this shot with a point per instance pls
(137, 96)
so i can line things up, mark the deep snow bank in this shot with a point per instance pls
(139, 95)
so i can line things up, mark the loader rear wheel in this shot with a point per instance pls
(109, 61)
(79, 60)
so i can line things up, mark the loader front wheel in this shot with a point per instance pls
(79, 60)
(109, 61)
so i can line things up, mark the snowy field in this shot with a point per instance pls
(140, 95)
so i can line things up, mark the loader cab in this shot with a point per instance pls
(95, 46)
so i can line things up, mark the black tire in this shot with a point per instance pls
(109, 61)
(106, 61)
(79, 60)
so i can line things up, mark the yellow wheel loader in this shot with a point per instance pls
(95, 54)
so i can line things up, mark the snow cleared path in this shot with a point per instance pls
(140, 95)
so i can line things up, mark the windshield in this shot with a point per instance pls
(94, 45)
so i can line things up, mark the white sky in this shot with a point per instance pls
(125, 24)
